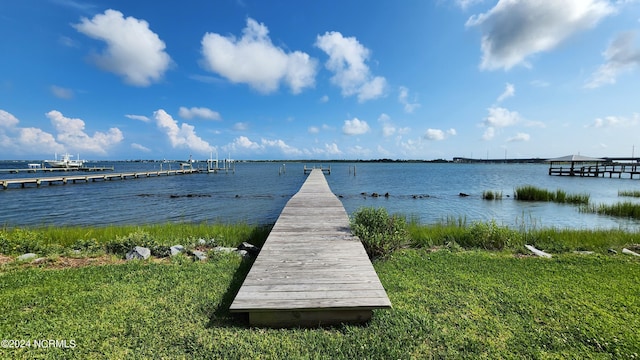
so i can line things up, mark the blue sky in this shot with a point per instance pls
(411, 79)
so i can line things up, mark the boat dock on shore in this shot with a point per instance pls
(311, 270)
(37, 181)
(583, 166)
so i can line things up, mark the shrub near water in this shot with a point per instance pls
(380, 233)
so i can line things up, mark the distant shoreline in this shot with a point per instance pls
(455, 160)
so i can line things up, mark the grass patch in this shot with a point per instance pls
(533, 193)
(471, 304)
(498, 237)
(621, 209)
(629, 193)
(55, 240)
(492, 195)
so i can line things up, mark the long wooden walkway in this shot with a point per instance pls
(37, 181)
(311, 270)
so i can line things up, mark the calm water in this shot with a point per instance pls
(256, 194)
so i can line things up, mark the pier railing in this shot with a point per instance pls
(611, 170)
(37, 181)
(325, 170)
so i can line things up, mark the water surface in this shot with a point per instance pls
(257, 192)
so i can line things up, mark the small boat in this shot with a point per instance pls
(188, 164)
(66, 162)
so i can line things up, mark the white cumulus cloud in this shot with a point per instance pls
(181, 136)
(501, 117)
(388, 128)
(200, 112)
(255, 61)
(347, 59)
(132, 50)
(332, 149)
(355, 127)
(7, 119)
(508, 92)
(70, 136)
(437, 134)
(513, 30)
(243, 142)
(623, 54)
(71, 133)
(281, 146)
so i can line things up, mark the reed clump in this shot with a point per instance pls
(492, 195)
(625, 209)
(533, 193)
(629, 193)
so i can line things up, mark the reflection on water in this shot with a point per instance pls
(257, 192)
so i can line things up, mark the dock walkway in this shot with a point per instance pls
(37, 181)
(311, 270)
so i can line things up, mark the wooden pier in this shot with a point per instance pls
(311, 270)
(600, 170)
(324, 170)
(37, 181)
(575, 165)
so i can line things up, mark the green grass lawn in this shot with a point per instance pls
(468, 304)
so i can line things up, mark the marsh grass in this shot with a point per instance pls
(492, 195)
(629, 193)
(621, 209)
(533, 193)
(493, 236)
(47, 240)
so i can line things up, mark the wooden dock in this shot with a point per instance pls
(37, 181)
(325, 170)
(619, 170)
(311, 270)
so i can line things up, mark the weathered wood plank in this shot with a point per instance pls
(311, 270)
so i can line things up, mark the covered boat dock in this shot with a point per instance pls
(585, 166)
